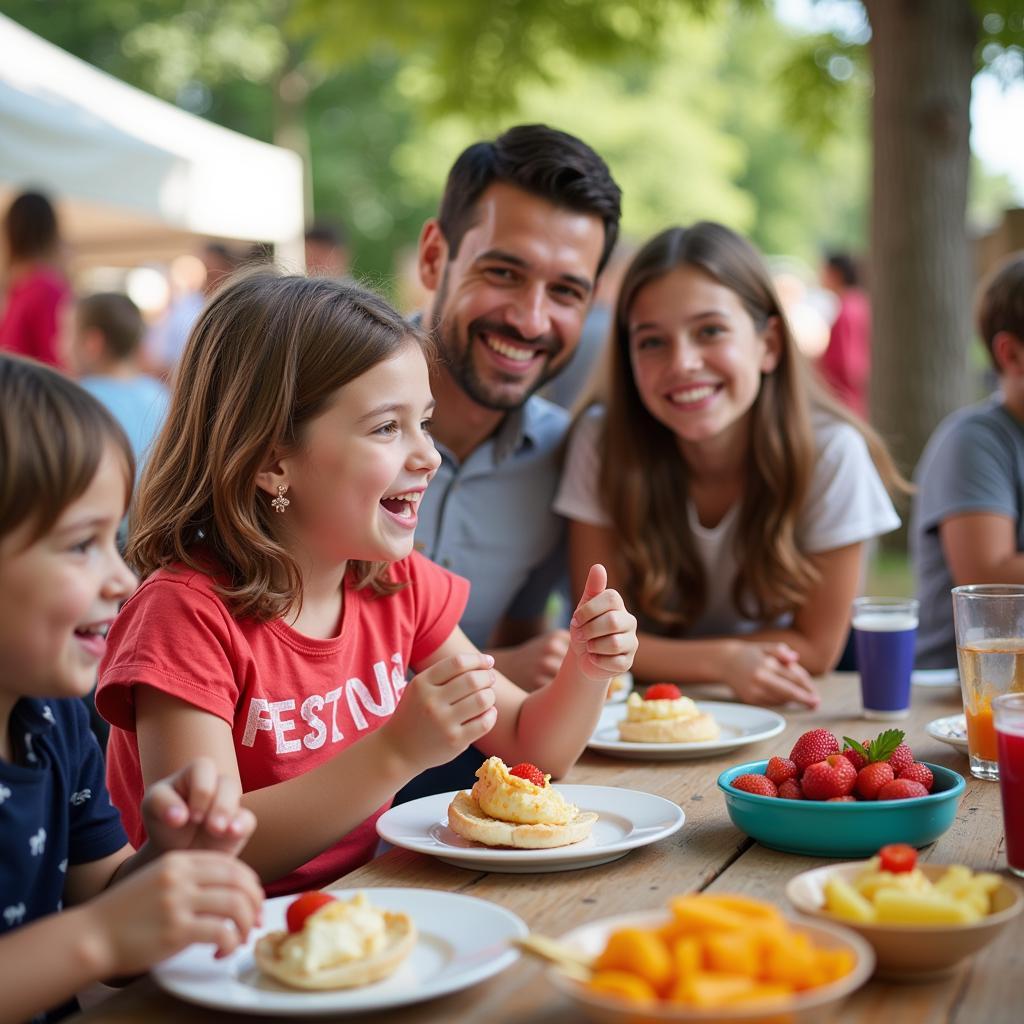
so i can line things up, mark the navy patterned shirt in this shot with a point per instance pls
(54, 807)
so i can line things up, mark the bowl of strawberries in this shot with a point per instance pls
(828, 799)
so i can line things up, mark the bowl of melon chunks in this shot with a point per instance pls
(921, 919)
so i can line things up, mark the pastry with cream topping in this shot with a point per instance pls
(332, 943)
(664, 715)
(517, 807)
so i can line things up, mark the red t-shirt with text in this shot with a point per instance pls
(292, 701)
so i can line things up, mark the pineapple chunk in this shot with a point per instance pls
(899, 906)
(843, 900)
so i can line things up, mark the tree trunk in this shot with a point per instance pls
(920, 273)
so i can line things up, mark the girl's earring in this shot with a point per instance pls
(280, 503)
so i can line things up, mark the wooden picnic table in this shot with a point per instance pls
(707, 853)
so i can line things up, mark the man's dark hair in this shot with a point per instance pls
(1000, 302)
(327, 234)
(845, 266)
(117, 318)
(542, 161)
(30, 227)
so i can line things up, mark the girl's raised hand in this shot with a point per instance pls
(602, 634)
(181, 898)
(443, 710)
(197, 808)
(767, 673)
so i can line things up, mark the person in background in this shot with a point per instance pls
(728, 495)
(105, 354)
(199, 280)
(327, 252)
(77, 903)
(967, 523)
(34, 288)
(845, 365)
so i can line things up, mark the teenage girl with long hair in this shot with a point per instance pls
(282, 601)
(730, 498)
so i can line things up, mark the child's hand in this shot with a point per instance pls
(443, 710)
(196, 809)
(767, 673)
(602, 633)
(181, 898)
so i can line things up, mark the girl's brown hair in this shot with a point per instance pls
(265, 357)
(52, 437)
(643, 480)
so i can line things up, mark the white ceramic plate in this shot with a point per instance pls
(935, 678)
(741, 724)
(462, 940)
(951, 730)
(627, 819)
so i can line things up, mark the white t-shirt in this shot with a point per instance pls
(847, 503)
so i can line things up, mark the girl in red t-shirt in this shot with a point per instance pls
(282, 602)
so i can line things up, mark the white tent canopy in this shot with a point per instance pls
(134, 178)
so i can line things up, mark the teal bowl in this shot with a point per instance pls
(816, 828)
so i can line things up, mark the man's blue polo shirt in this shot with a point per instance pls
(490, 519)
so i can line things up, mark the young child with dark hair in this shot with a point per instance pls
(67, 473)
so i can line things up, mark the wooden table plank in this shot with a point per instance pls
(707, 853)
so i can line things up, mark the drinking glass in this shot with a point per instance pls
(884, 631)
(989, 624)
(1008, 714)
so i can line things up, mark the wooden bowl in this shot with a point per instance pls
(909, 951)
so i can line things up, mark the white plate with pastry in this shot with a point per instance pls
(458, 941)
(737, 726)
(625, 819)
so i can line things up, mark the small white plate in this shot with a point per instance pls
(462, 940)
(740, 725)
(951, 730)
(627, 819)
(935, 678)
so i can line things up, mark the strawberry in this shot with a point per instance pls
(855, 757)
(663, 691)
(901, 789)
(812, 747)
(871, 778)
(829, 778)
(919, 773)
(790, 790)
(530, 772)
(897, 858)
(902, 757)
(759, 784)
(306, 904)
(780, 769)
(841, 800)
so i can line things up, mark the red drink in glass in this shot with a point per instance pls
(1009, 719)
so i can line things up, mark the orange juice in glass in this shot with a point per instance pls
(989, 623)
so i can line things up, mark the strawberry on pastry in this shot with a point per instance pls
(812, 747)
(761, 785)
(832, 777)
(530, 772)
(663, 691)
